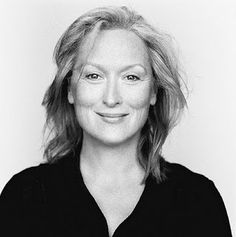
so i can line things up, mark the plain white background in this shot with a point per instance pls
(205, 34)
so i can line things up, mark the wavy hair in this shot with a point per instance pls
(65, 134)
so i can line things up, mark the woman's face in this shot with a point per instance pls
(113, 93)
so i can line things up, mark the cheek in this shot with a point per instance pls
(86, 96)
(139, 97)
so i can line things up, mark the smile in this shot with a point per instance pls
(112, 118)
(117, 115)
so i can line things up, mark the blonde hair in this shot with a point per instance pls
(163, 116)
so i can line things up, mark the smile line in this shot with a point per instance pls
(111, 115)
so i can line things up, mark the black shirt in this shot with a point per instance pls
(52, 200)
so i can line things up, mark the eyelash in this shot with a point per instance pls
(91, 74)
(136, 77)
(88, 76)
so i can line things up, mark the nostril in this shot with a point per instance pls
(111, 103)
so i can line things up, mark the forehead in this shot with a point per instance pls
(113, 47)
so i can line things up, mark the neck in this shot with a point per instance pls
(113, 161)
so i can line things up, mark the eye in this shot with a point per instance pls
(92, 76)
(132, 78)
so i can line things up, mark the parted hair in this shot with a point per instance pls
(64, 132)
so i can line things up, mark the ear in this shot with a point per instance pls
(70, 96)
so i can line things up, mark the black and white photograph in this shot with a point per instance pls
(118, 118)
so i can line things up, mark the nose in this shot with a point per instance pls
(111, 96)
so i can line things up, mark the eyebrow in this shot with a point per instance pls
(101, 67)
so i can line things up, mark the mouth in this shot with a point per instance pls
(113, 115)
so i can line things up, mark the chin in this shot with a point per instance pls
(111, 136)
(112, 140)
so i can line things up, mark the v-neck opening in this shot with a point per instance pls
(134, 212)
(137, 208)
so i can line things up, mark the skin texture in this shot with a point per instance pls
(106, 85)
(112, 75)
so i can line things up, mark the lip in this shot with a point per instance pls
(113, 115)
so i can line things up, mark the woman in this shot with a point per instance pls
(115, 97)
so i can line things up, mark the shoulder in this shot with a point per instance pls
(31, 181)
(192, 189)
(23, 183)
(193, 198)
(29, 200)
(183, 177)
(196, 197)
